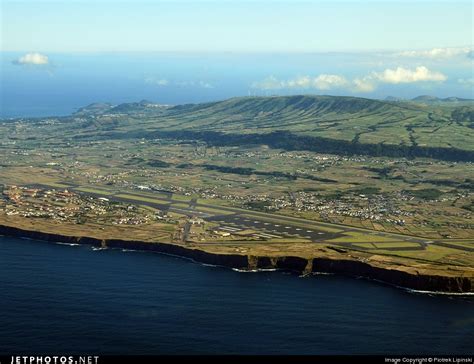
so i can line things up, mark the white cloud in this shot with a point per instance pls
(327, 82)
(269, 83)
(404, 75)
(437, 52)
(298, 82)
(367, 83)
(364, 84)
(396, 76)
(321, 82)
(32, 59)
(162, 82)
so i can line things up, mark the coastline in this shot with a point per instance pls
(344, 264)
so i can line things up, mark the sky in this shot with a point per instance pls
(233, 26)
(56, 56)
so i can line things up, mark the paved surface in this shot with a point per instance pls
(272, 229)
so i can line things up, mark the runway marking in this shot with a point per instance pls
(265, 235)
(228, 228)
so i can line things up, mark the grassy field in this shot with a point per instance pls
(356, 237)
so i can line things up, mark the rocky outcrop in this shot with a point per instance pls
(343, 266)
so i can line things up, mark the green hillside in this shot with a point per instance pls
(347, 118)
(343, 125)
(342, 118)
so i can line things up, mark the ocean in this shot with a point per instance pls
(63, 299)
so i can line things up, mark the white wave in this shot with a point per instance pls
(96, 248)
(68, 244)
(254, 270)
(190, 260)
(437, 293)
(206, 264)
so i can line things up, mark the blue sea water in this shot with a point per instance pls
(73, 299)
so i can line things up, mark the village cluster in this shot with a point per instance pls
(62, 205)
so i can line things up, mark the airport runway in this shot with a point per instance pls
(271, 229)
(266, 225)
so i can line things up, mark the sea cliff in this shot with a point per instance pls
(343, 264)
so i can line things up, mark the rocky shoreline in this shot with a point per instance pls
(344, 266)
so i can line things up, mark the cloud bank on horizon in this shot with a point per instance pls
(408, 70)
(420, 69)
(367, 83)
